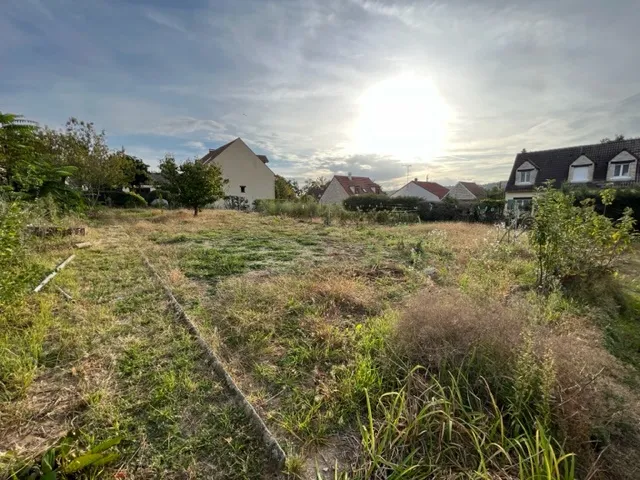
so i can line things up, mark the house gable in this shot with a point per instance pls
(247, 175)
(334, 193)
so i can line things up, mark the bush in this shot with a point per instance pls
(624, 198)
(236, 203)
(367, 203)
(575, 242)
(118, 198)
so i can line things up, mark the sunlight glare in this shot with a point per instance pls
(405, 117)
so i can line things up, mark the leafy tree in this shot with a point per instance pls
(29, 168)
(195, 184)
(315, 187)
(137, 169)
(286, 189)
(98, 169)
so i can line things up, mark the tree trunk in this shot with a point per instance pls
(195, 211)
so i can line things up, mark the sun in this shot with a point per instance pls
(404, 116)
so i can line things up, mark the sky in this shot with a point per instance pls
(450, 89)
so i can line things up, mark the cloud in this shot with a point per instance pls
(165, 20)
(285, 75)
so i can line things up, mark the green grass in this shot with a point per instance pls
(141, 377)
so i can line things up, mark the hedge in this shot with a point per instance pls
(487, 210)
(368, 203)
(625, 197)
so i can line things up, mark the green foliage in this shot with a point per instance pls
(432, 426)
(194, 183)
(575, 242)
(314, 188)
(65, 461)
(368, 203)
(286, 189)
(618, 200)
(120, 198)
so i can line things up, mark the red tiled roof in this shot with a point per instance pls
(474, 188)
(362, 185)
(433, 187)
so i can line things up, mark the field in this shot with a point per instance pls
(322, 328)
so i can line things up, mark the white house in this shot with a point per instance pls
(342, 187)
(246, 173)
(466, 191)
(429, 191)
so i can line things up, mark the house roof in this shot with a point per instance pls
(554, 164)
(475, 189)
(214, 152)
(364, 184)
(157, 178)
(433, 187)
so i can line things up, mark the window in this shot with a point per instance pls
(524, 176)
(522, 204)
(580, 174)
(357, 190)
(243, 188)
(621, 170)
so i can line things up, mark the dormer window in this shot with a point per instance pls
(581, 170)
(524, 176)
(622, 167)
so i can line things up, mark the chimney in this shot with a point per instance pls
(349, 175)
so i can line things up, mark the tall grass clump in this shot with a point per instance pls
(509, 373)
(450, 427)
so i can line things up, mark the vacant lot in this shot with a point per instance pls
(321, 327)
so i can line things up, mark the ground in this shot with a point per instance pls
(296, 310)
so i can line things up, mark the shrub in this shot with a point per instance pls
(575, 242)
(118, 198)
(236, 203)
(624, 198)
(368, 203)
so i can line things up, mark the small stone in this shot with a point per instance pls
(83, 245)
(430, 272)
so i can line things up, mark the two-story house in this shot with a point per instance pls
(613, 163)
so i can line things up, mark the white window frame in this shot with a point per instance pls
(520, 174)
(621, 166)
(581, 168)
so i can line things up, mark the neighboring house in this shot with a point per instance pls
(342, 187)
(595, 166)
(466, 191)
(429, 191)
(246, 173)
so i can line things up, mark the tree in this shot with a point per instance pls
(286, 189)
(138, 169)
(86, 149)
(29, 168)
(194, 183)
(315, 187)
(618, 138)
